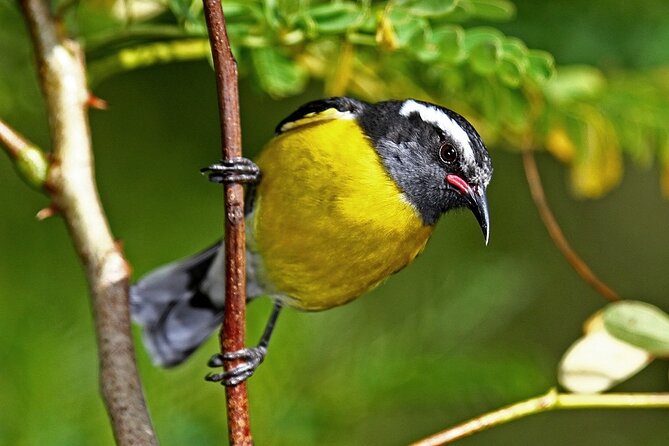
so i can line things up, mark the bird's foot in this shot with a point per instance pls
(252, 358)
(236, 170)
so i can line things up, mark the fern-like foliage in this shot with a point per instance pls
(425, 49)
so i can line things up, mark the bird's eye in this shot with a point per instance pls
(448, 154)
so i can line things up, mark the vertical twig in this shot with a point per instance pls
(234, 324)
(71, 184)
(555, 232)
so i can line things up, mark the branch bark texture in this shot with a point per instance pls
(71, 184)
(234, 324)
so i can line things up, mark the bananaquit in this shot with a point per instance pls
(349, 194)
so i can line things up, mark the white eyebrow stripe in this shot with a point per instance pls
(437, 117)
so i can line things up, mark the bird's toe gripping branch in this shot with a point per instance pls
(236, 170)
(252, 358)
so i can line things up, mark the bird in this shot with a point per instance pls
(344, 195)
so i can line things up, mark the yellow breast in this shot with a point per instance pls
(329, 222)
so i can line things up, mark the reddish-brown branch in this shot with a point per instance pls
(234, 324)
(72, 187)
(555, 232)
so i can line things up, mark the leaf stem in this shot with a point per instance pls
(144, 31)
(29, 160)
(555, 232)
(552, 400)
(234, 324)
(142, 56)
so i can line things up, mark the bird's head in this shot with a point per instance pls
(434, 155)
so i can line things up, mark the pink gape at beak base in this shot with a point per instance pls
(458, 182)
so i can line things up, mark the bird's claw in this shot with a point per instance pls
(252, 358)
(236, 170)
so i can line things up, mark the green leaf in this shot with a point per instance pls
(335, 18)
(640, 324)
(461, 13)
(492, 9)
(515, 50)
(446, 44)
(513, 63)
(369, 24)
(481, 35)
(510, 72)
(409, 30)
(236, 10)
(430, 8)
(484, 58)
(279, 75)
(540, 66)
(599, 361)
(484, 47)
(575, 83)
(180, 8)
(289, 8)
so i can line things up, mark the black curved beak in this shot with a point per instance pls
(476, 201)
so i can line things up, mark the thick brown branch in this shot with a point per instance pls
(555, 232)
(73, 190)
(234, 324)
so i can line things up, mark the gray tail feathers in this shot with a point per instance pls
(179, 305)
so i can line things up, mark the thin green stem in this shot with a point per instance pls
(147, 55)
(101, 41)
(552, 400)
(30, 161)
(613, 401)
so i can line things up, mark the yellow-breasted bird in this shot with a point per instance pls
(349, 194)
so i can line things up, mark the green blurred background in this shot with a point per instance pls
(463, 330)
